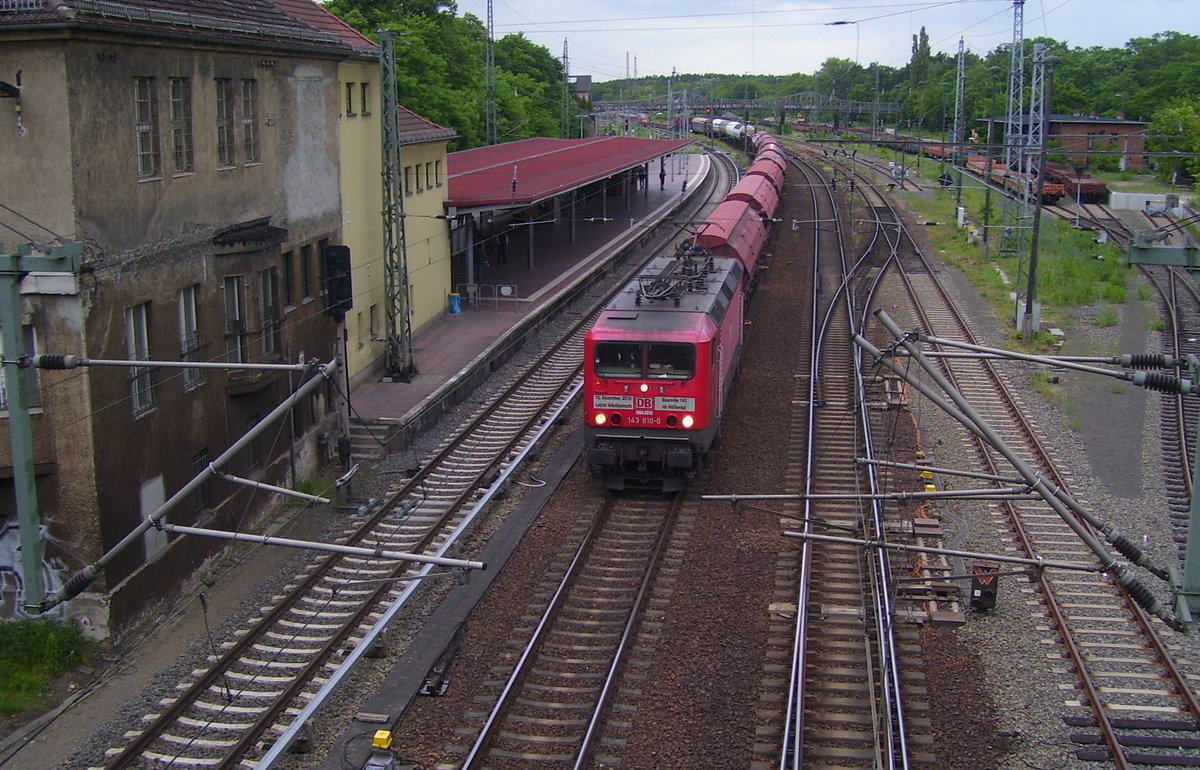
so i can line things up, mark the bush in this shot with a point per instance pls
(32, 654)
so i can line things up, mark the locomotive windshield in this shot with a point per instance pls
(670, 360)
(618, 359)
(652, 360)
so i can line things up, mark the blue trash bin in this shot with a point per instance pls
(455, 303)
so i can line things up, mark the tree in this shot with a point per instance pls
(1176, 129)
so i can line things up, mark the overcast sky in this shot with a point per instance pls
(779, 37)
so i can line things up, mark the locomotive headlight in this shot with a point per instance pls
(688, 421)
(599, 418)
(645, 387)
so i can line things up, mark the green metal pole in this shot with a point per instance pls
(1190, 590)
(14, 267)
(20, 433)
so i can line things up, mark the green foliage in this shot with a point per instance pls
(1107, 318)
(32, 654)
(440, 73)
(1069, 272)
(1176, 128)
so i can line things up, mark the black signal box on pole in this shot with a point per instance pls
(339, 294)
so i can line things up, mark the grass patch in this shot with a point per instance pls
(32, 654)
(1044, 382)
(1106, 318)
(1072, 270)
(1157, 324)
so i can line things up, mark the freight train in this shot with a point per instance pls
(1015, 181)
(660, 359)
(731, 129)
(1084, 188)
(1061, 180)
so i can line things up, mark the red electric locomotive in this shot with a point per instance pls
(660, 360)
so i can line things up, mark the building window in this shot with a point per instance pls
(33, 395)
(349, 100)
(428, 176)
(374, 322)
(306, 252)
(225, 152)
(250, 121)
(189, 336)
(202, 496)
(181, 124)
(437, 173)
(235, 318)
(145, 123)
(137, 348)
(408, 180)
(289, 259)
(272, 313)
(364, 105)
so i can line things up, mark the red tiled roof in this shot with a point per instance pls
(244, 22)
(414, 128)
(524, 172)
(315, 16)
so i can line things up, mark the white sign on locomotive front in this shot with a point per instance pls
(612, 402)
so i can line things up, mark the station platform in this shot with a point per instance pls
(450, 352)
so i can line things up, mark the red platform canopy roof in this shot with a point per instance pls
(525, 172)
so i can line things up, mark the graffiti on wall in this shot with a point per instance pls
(12, 580)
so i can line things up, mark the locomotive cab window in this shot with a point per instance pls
(618, 359)
(670, 360)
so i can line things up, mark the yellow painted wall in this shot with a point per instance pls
(362, 202)
(427, 238)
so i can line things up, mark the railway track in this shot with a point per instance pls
(554, 696)
(852, 666)
(1123, 689)
(254, 698)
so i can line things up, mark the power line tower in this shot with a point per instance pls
(399, 362)
(490, 114)
(566, 88)
(958, 135)
(1028, 311)
(1016, 214)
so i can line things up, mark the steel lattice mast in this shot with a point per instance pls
(566, 88)
(399, 361)
(1016, 214)
(490, 112)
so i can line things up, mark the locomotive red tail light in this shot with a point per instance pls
(672, 421)
(616, 419)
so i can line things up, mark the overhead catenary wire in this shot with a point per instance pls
(1062, 505)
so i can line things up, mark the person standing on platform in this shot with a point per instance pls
(662, 174)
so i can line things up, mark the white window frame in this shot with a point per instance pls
(137, 348)
(233, 288)
(189, 335)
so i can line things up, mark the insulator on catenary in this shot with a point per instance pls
(1142, 595)
(1130, 550)
(43, 361)
(1162, 382)
(1145, 361)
